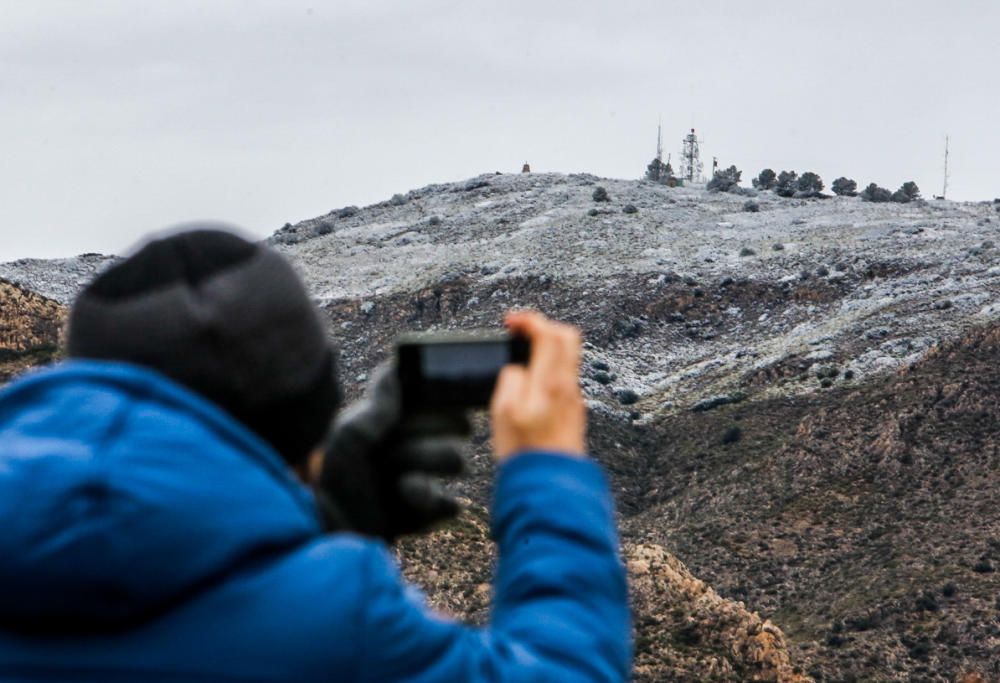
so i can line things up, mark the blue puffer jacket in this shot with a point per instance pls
(147, 536)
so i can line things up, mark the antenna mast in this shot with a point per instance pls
(944, 190)
(659, 141)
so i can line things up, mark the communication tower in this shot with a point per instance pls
(691, 166)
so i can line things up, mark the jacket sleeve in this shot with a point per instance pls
(561, 607)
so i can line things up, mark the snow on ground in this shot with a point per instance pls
(58, 279)
(934, 266)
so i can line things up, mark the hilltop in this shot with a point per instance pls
(795, 402)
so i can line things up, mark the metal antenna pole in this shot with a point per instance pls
(659, 140)
(944, 190)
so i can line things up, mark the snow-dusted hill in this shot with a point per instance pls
(866, 287)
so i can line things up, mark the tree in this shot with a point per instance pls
(601, 195)
(811, 183)
(725, 180)
(845, 187)
(874, 193)
(911, 190)
(659, 172)
(766, 180)
(656, 171)
(787, 184)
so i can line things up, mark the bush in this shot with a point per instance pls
(874, 193)
(766, 180)
(725, 180)
(787, 184)
(845, 187)
(811, 183)
(747, 251)
(630, 208)
(627, 397)
(983, 566)
(731, 435)
(751, 206)
(601, 195)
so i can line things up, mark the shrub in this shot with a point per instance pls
(630, 208)
(601, 195)
(732, 435)
(766, 180)
(983, 566)
(725, 180)
(778, 246)
(874, 193)
(627, 397)
(810, 182)
(927, 602)
(747, 251)
(751, 206)
(787, 184)
(845, 187)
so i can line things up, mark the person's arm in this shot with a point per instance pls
(561, 607)
(560, 611)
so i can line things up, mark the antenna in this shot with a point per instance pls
(944, 190)
(659, 140)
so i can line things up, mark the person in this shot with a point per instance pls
(167, 515)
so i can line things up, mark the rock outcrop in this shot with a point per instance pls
(684, 631)
(30, 325)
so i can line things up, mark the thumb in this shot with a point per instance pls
(511, 385)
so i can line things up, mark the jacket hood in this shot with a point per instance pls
(121, 493)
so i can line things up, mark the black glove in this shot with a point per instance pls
(381, 468)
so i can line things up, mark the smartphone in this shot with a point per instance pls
(454, 370)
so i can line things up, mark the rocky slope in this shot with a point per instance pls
(30, 325)
(683, 629)
(794, 401)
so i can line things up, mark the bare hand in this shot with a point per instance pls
(540, 407)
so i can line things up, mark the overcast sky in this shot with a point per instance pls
(118, 117)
